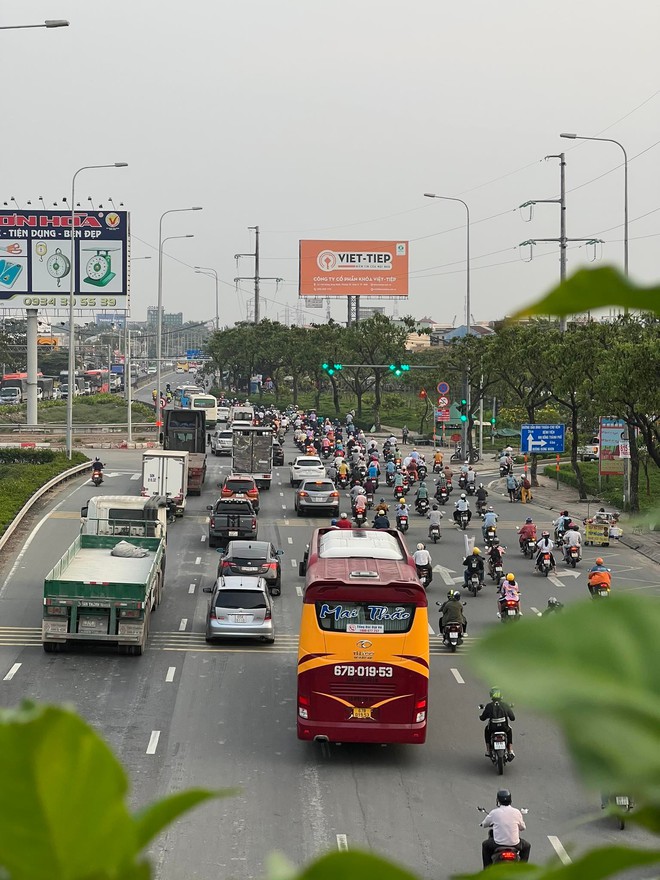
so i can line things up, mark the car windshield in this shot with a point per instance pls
(240, 599)
(309, 462)
(251, 551)
(233, 507)
(319, 486)
(240, 486)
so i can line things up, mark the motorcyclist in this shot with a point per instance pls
(561, 524)
(373, 470)
(381, 520)
(400, 510)
(545, 544)
(572, 538)
(342, 469)
(598, 576)
(344, 522)
(437, 458)
(497, 714)
(495, 554)
(382, 507)
(440, 484)
(398, 481)
(481, 496)
(553, 606)
(471, 476)
(390, 467)
(423, 563)
(451, 611)
(489, 521)
(506, 823)
(434, 516)
(421, 493)
(356, 490)
(360, 505)
(369, 486)
(527, 532)
(472, 563)
(462, 505)
(97, 464)
(508, 591)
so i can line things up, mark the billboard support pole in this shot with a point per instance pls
(32, 330)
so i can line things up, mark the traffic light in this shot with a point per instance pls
(423, 394)
(464, 410)
(399, 369)
(331, 368)
(493, 420)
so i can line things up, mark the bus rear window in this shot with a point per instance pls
(203, 403)
(368, 618)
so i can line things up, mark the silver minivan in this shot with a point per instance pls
(240, 608)
(221, 441)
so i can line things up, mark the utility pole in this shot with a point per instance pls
(562, 240)
(256, 278)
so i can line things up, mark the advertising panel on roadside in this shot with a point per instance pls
(353, 268)
(35, 259)
(612, 438)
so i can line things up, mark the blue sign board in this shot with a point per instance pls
(192, 353)
(542, 438)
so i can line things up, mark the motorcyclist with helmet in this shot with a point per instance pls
(561, 525)
(381, 520)
(489, 521)
(481, 496)
(423, 563)
(451, 611)
(572, 538)
(421, 493)
(472, 563)
(545, 544)
(506, 823)
(434, 516)
(598, 576)
(344, 522)
(97, 465)
(508, 592)
(497, 714)
(527, 532)
(495, 555)
(460, 506)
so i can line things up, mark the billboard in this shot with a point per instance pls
(353, 268)
(612, 439)
(35, 259)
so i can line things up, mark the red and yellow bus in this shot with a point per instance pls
(363, 655)
(98, 380)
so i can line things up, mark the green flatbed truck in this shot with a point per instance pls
(93, 596)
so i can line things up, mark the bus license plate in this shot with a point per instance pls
(362, 713)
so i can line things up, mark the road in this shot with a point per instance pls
(189, 714)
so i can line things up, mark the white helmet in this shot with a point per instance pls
(463, 495)
(420, 546)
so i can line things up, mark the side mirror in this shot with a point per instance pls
(209, 507)
(280, 552)
(207, 590)
(220, 550)
(481, 706)
(289, 463)
(83, 511)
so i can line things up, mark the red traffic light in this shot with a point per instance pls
(422, 393)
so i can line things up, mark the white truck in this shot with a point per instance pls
(165, 473)
(127, 515)
(252, 453)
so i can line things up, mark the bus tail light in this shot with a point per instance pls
(303, 704)
(420, 713)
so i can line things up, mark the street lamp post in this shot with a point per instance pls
(49, 23)
(468, 311)
(159, 313)
(72, 293)
(207, 270)
(580, 137)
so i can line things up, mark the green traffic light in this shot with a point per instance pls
(393, 368)
(405, 367)
(464, 418)
(493, 420)
(463, 402)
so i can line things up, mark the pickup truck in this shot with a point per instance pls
(92, 596)
(231, 519)
(590, 451)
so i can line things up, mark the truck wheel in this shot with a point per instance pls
(53, 647)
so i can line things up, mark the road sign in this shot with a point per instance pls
(443, 388)
(542, 438)
(192, 353)
(442, 415)
(443, 402)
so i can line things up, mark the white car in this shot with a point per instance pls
(306, 467)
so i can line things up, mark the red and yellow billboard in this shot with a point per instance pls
(353, 268)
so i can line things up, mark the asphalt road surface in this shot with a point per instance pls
(188, 714)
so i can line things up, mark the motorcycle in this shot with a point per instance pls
(452, 636)
(425, 575)
(97, 477)
(434, 533)
(474, 583)
(402, 523)
(463, 519)
(573, 556)
(471, 489)
(490, 536)
(389, 479)
(342, 481)
(619, 805)
(370, 500)
(528, 547)
(442, 495)
(495, 570)
(544, 564)
(498, 750)
(399, 492)
(599, 591)
(327, 453)
(437, 467)
(481, 507)
(509, 610)
(462, 481)
(360, 517)
(422, 472)
(505, 470)
(422, 506)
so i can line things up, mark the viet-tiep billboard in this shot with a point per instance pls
(353, 268)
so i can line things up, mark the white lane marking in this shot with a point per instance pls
(12, 672)
(535, 610)
(457, 675)
(203, 538)
(136, 476)
(153, 742)
(282, 494)
(431, 633)
(558, 847)
(555, 580)
(294, 563)
(183, 624)
(342, 842)
(29, 540)
(445, 574)
(290, 540)
(198, 560)
(170, 673)
(286, 522)
(191, 588)
(299, 591)
(284, 507)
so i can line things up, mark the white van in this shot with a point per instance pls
(241, 416)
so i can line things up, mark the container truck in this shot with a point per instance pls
(165, 474)
(125, 515)
(92, 596)
(252, 453)
(185, 429)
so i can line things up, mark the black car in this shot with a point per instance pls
(255, 559)
(278, 454)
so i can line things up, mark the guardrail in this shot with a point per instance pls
(141, 427)
(60, 478)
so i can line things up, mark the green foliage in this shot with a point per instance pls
(352, 865)
(590, 290)
(611, 490)
(28, 472)
(63, 813)
(94, 409)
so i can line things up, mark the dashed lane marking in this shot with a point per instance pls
(431, 632)
(191, 588)
(153, 742)
(135, 476)
(294, 563)
(290, 539)
(183, 624)
(299, 592)
(457, 675)
(558, 847)
(198, 560)
(342, 842)
(203, 538)
(12, 672)
(170, 674)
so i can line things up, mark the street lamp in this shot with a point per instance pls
(49, 23)
(72, 292)
(159, 314)
(206, 270)
(467, 295)
(580, 137)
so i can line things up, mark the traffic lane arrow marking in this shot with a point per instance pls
(445, 574)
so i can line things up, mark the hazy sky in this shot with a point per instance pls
(330, 121)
